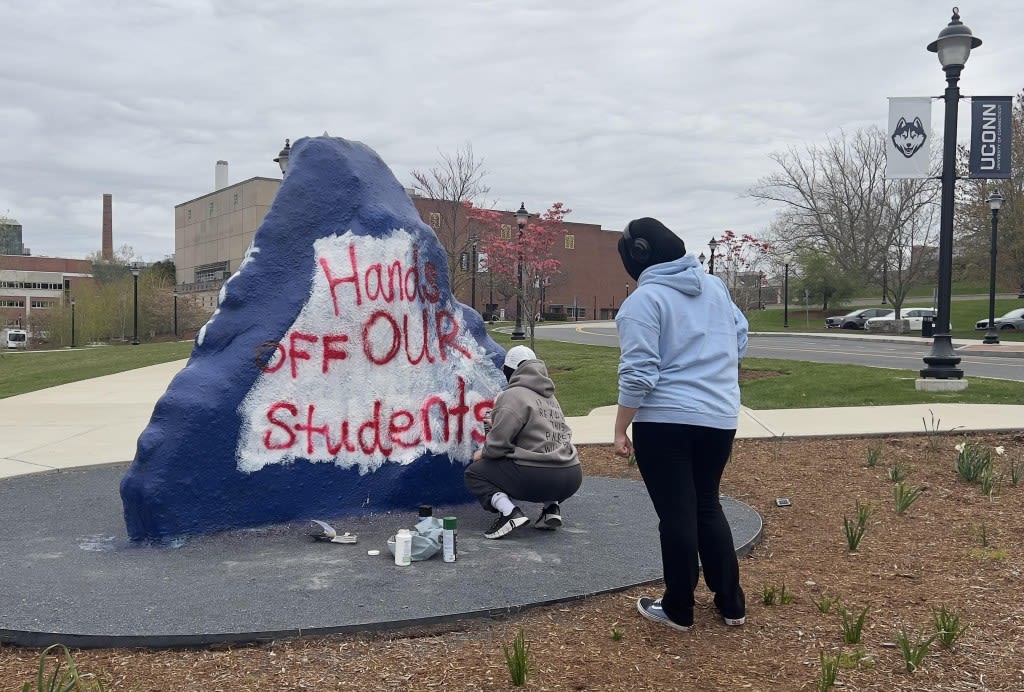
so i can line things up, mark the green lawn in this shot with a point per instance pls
(584, 375)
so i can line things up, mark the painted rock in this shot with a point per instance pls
(338, 376)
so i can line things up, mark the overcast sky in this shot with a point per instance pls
(654, 108)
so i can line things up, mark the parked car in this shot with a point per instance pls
(913, 316)
(855, 319)
(1014, 319)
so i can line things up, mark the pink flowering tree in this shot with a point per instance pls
(739, 260)
(502, 243)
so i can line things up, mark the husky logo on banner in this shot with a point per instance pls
(908, 151)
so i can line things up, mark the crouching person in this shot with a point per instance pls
(528, 454)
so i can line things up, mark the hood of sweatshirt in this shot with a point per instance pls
(684, 275)
(533, 375)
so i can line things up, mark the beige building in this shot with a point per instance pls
(212, 233)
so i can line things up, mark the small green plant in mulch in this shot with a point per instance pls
(58, 680)
(874, 454)
(1015, 468)
(852, 627)
(973, 460)
(631, 460)
(904, 496)
(825, 603)
(616, 634)
(913, 652)
(898, 471)
(827, 674)
(776, 595)
(855, 529)
(848, 660)
(947, 626)
(517, 657)
(988, 482)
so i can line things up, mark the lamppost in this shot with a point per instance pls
(72, 323)
(702, 259)
(522, 216)
(282, 157)
(175, 313)
(995, 200)
(472, 281)
(711, 262)
(627, 290)
(135, 323)
(760, 283)
(785, 291)
(953, 47)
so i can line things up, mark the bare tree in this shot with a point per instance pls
(455, 182)
(837, 201)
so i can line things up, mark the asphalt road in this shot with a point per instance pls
(844, 348)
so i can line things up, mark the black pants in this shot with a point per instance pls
(544, 484)
(682, 468)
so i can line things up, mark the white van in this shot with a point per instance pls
(16, 338)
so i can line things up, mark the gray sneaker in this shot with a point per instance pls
(651, 609)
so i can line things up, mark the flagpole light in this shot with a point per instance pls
(953, 47)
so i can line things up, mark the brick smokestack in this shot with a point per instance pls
(108, 228)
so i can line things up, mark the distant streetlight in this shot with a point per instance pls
(522, 216)
(711, 262)
(72, 323)
(627, 290)
(995, 200)
(953, 46)
(282, 157)
(702, 259)
(175, 313)
(135, 327)
(472, 298)
(760, 283)
(785, 291)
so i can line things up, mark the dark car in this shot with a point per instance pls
(856, 319)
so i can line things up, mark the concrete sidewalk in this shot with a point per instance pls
(98, 422)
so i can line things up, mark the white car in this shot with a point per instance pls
(913, 316)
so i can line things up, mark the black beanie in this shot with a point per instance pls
(663, 244)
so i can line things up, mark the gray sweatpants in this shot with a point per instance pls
(544, 484)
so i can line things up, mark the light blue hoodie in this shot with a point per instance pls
(681, 337)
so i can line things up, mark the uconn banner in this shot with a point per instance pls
(990, 136)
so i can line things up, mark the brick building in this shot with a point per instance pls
(31, 284)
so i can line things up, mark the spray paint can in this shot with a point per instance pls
(449, 538)
(403, 548)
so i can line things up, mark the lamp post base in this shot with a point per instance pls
(991, 337)
(942, 360)
(932, 385)
(518, 334)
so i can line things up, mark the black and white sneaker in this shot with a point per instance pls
(504, 525)
(550, 518)
(651, 609)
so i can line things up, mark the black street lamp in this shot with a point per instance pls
(627, 291)
(785, 291)
(760, 283)
(282, 158)
(135, 327)
(711, 262)
(953, 47)
(995, 200)
(522, 216)
(702, 259)
(72, 323)
(472, 282)
(175, 313)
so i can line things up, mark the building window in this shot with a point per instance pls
(435, 220)
(211, 208)
(236, 199)
(570, 241)
(188, 214)
(506, 231)
(42, 304)
(5, 303)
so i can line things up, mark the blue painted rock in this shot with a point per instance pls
(338, 376)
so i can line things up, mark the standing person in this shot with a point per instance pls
(528, 453)
(681, 338)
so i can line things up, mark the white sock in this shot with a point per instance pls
(501, 503)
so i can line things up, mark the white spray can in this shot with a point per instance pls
(449, 537)
(403, 548)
